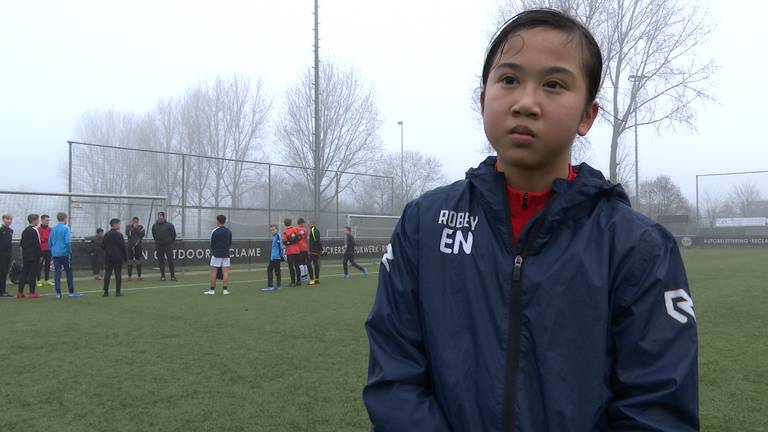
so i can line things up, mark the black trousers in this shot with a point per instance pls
(349, 258)
(28, 275)
(5, 265)
(97, 262)
(165, 252)
(109, 268)
(273, 267)
(294, 261)
(314, 266)
(46, 266)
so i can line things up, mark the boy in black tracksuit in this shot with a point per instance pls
(95, 253)
(30, 255)
(6, 251)
(349, 255)
(113, 245)
(315, 250)
(135, 234)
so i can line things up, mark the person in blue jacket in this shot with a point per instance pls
(60, 243)
(275, 258)
(530, 296)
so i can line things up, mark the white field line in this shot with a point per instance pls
(203, 284)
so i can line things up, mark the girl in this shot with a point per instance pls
(530, 296)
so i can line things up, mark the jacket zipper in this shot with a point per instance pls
(515, 317)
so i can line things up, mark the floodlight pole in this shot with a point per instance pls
(69, 186)
(317, 116)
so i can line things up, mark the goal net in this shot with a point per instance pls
(372, 227)
(86, 211)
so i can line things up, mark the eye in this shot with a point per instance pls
(509, 80)
(554, 85)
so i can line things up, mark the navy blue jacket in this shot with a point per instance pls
(586, 324)
(221, 242)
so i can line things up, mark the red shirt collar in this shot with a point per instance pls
(524, 205)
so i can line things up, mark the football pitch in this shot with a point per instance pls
(166, 358)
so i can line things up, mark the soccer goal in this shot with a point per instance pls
(373, 227)
(87, 211)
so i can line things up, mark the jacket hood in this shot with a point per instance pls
(569, 196)
(589, 183)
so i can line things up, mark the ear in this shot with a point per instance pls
(588, 118)
(482, 101)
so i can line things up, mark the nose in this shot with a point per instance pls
(526, 104)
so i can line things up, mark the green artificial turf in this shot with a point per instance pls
(167, 358)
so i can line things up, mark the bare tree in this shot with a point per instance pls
(387, 195)
(745, 198)
(712, 207)
(654, 67)
(660, 197)
(349, 126)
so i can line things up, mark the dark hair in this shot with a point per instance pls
(99, 230)
(45, 216)
(536, 18)
(273, 226)
(348, 228)
(135, 218)
(114, 221)
(161, 213)
(32, 217)
(300, 221)
(221, 219)
(287, 222)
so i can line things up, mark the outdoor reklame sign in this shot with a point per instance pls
(198, 253)
(724, 241)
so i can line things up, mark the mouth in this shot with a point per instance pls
(522, 130)
(522, 135)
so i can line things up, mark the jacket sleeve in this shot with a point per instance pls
(398, 395)
(68, 241)
(154, 231)
(655, 376)
(142, 232)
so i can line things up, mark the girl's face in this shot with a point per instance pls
(534, 102)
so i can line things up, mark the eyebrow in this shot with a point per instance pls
(550, 70)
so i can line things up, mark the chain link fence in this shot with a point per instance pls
(251, 194)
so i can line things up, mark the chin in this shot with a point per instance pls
(519, 159)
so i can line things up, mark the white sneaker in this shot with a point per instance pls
(225, 292)
(209, 292)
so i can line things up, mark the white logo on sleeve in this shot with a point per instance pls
(679, 299)
(388, 256)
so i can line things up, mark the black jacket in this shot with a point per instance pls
(135, 235)
(221, 242)
(94, 245)
(350, 244)
(315, 247)
(113, 245)
(6, 240)
(30, 244)
(164, 233)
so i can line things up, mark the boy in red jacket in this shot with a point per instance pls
(292, 239)
(45, 232)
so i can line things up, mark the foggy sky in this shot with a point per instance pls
(61, 59)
